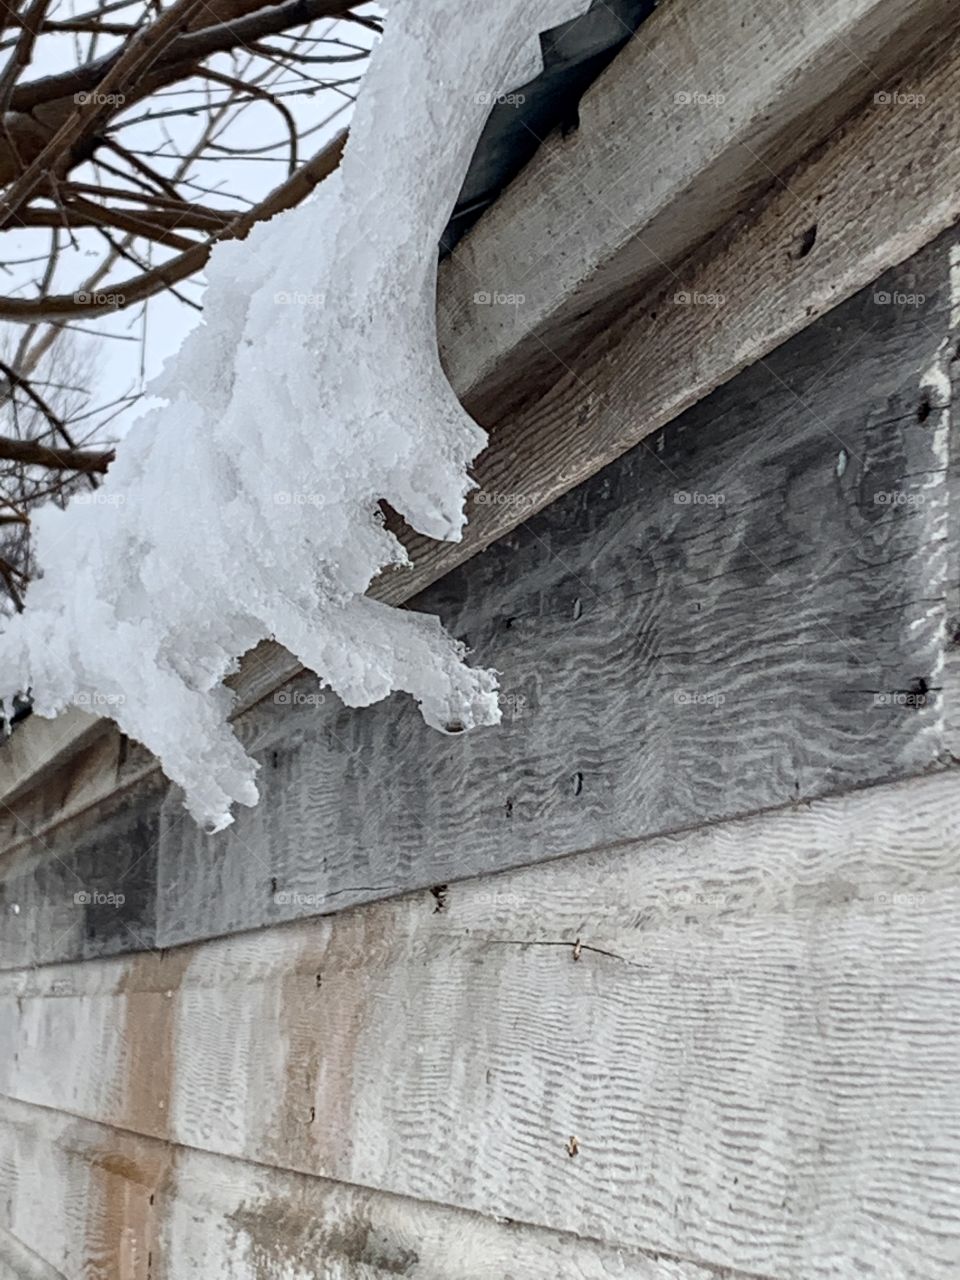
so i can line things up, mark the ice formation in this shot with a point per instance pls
(246, 507)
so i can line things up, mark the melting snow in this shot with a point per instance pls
(246, 508)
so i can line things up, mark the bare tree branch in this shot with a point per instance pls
(33, 453)
(129, 292)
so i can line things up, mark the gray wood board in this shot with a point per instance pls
(700, 630)
(665, 662)
(751, 1030)
(87, 888)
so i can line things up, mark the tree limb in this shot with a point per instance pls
(129, 292)
(187, 48)
(33, 453)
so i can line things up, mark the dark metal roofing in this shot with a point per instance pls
(574, 54)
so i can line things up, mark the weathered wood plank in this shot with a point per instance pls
(665, 663)
(884, 185)
(754, 1043)
(946, 375)
(19, 1263)
(36, 749)
(108, 1205)
(87, 888)
(646, 369)
(687, 127)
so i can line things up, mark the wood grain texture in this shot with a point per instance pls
(945, 373)
(887, 185)
(37, 748)
(880, 188)
(687, 127)
(87, 888)
(754, 1043)
(17, 1262)
(876, 191)
(109, 1205)
(665, 662)
(107, 765)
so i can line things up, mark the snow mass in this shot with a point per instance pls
(246, 507)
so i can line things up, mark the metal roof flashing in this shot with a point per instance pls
(574, 55)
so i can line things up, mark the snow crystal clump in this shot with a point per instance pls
(246, 507)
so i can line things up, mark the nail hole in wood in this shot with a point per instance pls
(807, 241)
(577, 783)
(919, 690)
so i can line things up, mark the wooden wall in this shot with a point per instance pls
(746, 1036)
(659, 980)
(740, 614)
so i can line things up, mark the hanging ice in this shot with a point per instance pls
(247, 506)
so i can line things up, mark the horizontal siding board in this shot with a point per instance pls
(107, 1205)
(755, 1042)
(650, 175)
(87, 888)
